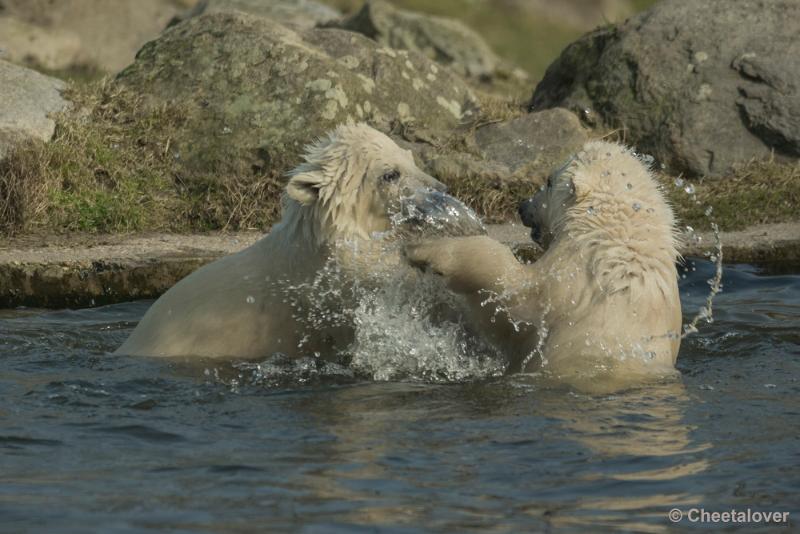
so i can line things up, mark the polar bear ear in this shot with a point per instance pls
(304, 187)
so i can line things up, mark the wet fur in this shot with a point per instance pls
(602, 302)
(261, 300)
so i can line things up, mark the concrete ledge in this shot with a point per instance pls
(87, 270)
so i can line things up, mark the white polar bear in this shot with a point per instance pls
(600, 308)
(267, 298)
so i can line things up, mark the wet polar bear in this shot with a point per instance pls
(259, 301)
(600, 308)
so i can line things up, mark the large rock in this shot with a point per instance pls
(521, 150)
(27, 99)
(301, 14)
(699, 85)
(535, 142)
(443, 40)
(107, 33)
(255, 92)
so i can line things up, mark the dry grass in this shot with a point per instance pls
(494, 200)
(110, 168)
(757, 192)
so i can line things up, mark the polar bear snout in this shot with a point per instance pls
(530, 211)
(434, 212)
(526, 212)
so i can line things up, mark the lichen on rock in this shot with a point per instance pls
(256, 91)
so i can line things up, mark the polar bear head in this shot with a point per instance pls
(605, 204)
(353, 181)
(605, 187)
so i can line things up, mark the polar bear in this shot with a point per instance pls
(266, 298)
(602, 302)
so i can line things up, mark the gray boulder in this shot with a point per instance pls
(522, 150)
(698, 85)
(52, 48)
(443, 40)
(254, 92)
(301, 14)
(102, 34)
(27, 99)
(533, 143)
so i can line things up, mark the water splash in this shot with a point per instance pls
(399, 323)
(542, 333)
(705, 313)
(715, 286)
(414, 329)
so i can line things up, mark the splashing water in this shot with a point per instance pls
(413, 328)
(715, 285)
(400, 323)
(542, 334)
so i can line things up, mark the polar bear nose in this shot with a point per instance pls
(526, 211)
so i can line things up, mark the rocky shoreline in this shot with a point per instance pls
(93, 270)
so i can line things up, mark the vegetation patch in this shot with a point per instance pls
(111, 168)
(757, 192)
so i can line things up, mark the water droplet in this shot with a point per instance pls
(629, 186)
(605, 173)
(689, 189)
(590, 210)
(678, 182)
(250, 299)
(636, 206)
(651, 210)
(708, 211)
(690, 229)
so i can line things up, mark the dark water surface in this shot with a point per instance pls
(91, 442)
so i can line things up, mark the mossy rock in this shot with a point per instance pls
(444, 40)
(302, 14)
(255, 92)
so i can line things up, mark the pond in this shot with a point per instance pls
(95, 442)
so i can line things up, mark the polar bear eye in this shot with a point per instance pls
(391, 176)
